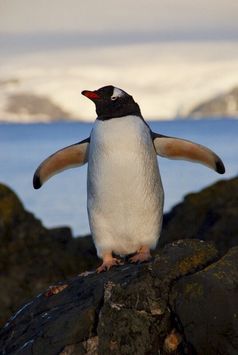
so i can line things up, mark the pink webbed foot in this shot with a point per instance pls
(108, 262)
(142, 255)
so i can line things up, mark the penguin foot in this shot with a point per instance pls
(108, 262)
(143, 254)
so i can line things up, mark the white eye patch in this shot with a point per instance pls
(116, 94)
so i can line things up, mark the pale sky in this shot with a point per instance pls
(211, 17)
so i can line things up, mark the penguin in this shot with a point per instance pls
(125, 195)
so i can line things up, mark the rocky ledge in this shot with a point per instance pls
(182, 302)
(185, 301)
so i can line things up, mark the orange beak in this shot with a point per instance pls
(92, 95)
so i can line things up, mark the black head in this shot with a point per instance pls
(112, 102)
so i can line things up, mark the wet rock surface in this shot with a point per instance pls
(185, 301)
(131, 309)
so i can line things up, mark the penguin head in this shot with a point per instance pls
(112, 102)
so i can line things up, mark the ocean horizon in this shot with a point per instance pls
(62, 200)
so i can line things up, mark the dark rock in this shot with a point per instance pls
(183, 302)
(206, 304)
(124, 311)
(210, 214)
(32, 257)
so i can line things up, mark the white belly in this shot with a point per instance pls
(125, 195)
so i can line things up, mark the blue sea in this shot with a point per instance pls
(62, 200)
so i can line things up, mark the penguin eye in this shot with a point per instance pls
(113, 98)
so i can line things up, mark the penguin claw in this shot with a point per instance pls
(106, 265)
(140, 257)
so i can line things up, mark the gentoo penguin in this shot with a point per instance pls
(124, 190)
